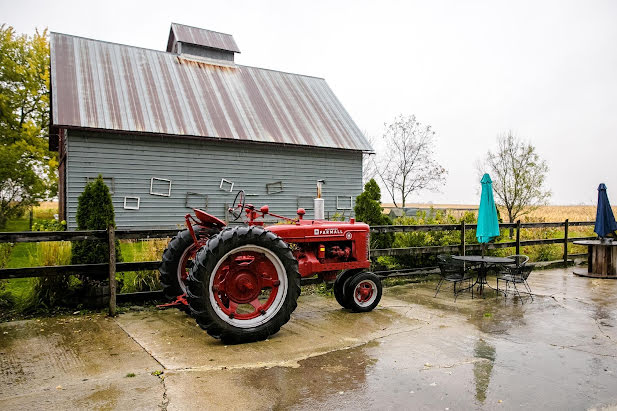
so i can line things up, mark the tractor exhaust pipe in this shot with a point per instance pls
(319, 202)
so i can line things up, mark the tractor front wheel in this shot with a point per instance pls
(363, 292)
(340, 284)
(244, 285)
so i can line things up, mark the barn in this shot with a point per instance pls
(188, 127)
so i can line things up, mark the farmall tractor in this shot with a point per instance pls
(242, 283)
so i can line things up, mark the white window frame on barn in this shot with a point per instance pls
(154, 193)
(223, 181)
(129, 207)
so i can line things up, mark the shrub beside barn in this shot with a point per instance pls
(188, 127)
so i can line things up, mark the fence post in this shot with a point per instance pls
(462, 251)
(518, 237)
(565, 241)
(111, 234)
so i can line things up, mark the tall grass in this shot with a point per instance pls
(141, 250)
(50, 292)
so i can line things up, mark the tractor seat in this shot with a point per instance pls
(208, 219)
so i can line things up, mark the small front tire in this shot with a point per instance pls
(340, 286)
(363, 292)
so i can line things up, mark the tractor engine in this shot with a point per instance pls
(338, 252)
(326, 247)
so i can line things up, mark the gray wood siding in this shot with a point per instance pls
(198, 166)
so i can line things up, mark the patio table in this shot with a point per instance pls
(483, 262)
(602, 259)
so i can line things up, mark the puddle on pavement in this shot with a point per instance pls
(317, 380)
(482, 369)
(102, 400)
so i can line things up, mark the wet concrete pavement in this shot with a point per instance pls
(414, 352)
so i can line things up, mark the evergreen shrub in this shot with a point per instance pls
(95, 211)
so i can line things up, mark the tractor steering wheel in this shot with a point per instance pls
(238, 206)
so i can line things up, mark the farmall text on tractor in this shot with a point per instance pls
(242, 283)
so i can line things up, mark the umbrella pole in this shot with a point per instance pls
(482, 250)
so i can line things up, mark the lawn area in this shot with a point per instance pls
(40, 254)
(36, 254)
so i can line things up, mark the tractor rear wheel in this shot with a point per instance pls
(244, 285)
(178, 260)
(339, 286)
(363, 292)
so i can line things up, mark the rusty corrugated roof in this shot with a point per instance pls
(106, 86)
(201, 37)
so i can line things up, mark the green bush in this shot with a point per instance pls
(368, 210)
(95, 211)
(430, 238)
(49, 225)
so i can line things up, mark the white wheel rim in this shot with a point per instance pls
(276, 304)
(179, 270)
(371, 300)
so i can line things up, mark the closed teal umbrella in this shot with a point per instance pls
(488, 224)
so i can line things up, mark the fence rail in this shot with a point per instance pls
(112, 234)
(39, 236)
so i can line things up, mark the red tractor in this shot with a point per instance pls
(242, 283)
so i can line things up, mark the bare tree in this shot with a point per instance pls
(407, 165)
(518, 175)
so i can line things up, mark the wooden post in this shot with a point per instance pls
(565, 241)
(462, 250)
(518, 237)
(31, 218)
(111, 234)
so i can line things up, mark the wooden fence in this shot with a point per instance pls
(112, 234)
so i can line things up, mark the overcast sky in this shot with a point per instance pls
(547, 70)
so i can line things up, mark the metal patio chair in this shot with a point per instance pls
(453, 271)
(516, 273)
(519, 260)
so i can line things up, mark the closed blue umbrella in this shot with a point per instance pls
(605, 220)
(488, 224)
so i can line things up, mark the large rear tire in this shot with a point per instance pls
(244, 285)
(178, 260)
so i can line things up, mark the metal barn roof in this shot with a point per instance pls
(201, 37)
(106, 86)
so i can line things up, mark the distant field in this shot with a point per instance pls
(544, 213)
